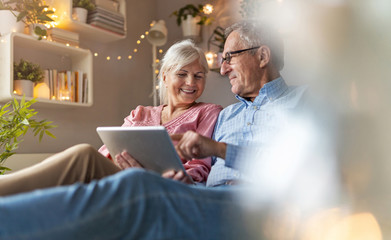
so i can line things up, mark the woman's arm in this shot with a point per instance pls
(199, 169)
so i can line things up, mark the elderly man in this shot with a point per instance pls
(137, 204)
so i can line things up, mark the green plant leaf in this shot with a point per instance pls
(16, 118)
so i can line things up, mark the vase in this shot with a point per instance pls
(190, 28)
(9, 24)
(24, 87)
(79, 14)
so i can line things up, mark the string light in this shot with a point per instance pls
(53, 16)
(135, 50)
(208, 8)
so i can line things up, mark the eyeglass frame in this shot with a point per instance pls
(228, 56)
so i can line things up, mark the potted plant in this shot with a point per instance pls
(8, 21)
(191, 17)
(34, 14)
(16, 119)
(25, 75)
(80, 9)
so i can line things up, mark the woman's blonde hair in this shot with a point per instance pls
(178, 55)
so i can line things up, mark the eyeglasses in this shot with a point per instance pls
(228, 55)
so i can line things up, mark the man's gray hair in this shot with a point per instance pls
(255, 33)
(177, 56)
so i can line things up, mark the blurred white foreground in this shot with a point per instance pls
(326, 174)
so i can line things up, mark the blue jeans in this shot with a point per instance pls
(132, 204)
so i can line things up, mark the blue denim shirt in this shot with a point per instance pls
(244, 123)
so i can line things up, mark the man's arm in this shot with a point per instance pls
(193, 145)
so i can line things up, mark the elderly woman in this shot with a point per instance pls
(182, 81)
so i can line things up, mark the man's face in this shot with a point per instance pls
(244, 70)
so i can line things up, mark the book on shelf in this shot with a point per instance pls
(106, 19)
(62, 33)
(102, 11)
(109, 5)
(66, 85)
(108, 28)
(63, 36)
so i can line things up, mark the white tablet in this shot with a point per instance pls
(150, 146)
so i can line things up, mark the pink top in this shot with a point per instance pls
(200, 118)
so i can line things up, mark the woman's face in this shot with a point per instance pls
(186, 85)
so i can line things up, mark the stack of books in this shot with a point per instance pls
(68, 85)
(106, 16)
(63, 36)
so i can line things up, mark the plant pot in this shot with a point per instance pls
(24, 87)
(190, 28)
(79, 14)
(9, 24)
(32, 26)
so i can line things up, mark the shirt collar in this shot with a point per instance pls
(271, 90)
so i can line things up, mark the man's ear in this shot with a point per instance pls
(264, 56)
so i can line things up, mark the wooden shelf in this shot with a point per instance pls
(49, 55)
(86, 31)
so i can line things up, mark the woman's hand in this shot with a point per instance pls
(124, 160)
(178, 176)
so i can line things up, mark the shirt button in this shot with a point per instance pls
(248, 124)
(255, 107)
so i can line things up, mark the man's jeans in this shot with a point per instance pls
(132, 204)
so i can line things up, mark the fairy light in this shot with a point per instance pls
(208, 9)
(67, 44)
(135, 50)
(157, 71)
(53, 16)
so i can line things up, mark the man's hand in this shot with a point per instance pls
(179, 176)
(124, 160)
(193, 145)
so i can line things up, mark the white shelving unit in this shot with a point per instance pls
(49, 55)
(86, 31)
